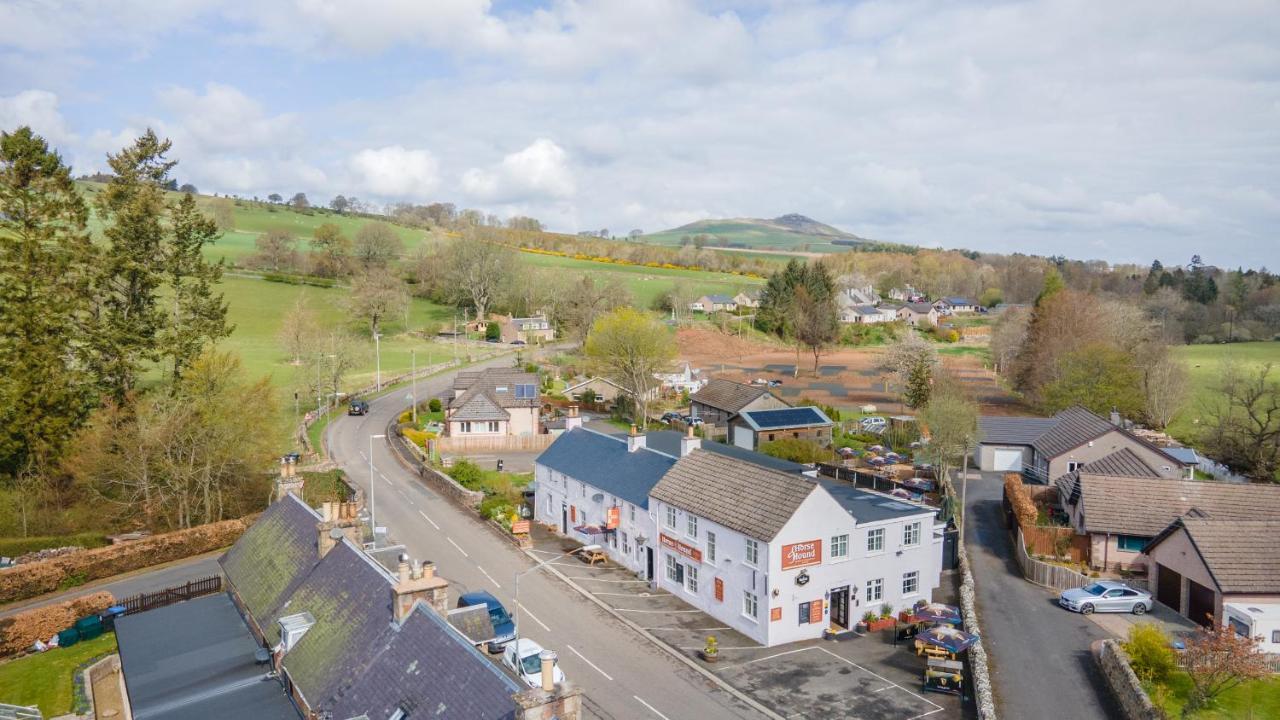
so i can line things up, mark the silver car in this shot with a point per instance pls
(1106, 596)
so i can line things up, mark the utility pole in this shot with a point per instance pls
(377, 344)
(413, 358)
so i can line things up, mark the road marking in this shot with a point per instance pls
(406, 497)
(495, 582)
(363, 456)
(433, 522)
(937, 707)
(652, 709)
(593, 665)
(664, 612)
(384, 479)
(451, 542)
(677, 627)
(534, 617)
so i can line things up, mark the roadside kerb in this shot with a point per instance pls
(673, 652)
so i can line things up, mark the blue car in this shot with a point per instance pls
(504, 629)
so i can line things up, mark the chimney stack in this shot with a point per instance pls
(689, 442)
(561, 702)
(573, 419)
(288, 481)
(337, 520)
(418, 581)
(635, 440)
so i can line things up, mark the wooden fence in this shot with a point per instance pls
(169, 596)
(496, 443)
(1046, 574)
(1272, 660)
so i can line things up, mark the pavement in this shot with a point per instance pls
(621, 673)
(151, 579)
(1039, 653)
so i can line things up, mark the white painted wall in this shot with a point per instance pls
(555, 490)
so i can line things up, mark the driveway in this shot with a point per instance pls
(1040, 660)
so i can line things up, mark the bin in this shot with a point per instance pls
(68, 637)
(89, 627)
(109, 617)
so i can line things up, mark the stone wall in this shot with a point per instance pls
(978, 667)
(411, 457)
(1124, 684)
(20, 631)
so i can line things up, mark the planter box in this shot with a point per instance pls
(878, 625)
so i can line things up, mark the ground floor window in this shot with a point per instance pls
(675, 571)
(1130, 543)
(691, 578)
(910, 582)
(750, 605)
(626, 545)
(875, 590)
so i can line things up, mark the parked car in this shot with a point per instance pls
(358, 407)
(504, 629)
(518, 342)
(1106, 596)
(759, 381)
(523, 659)
(694, 421)
(775, 383)
(873, 421)
(670, 417)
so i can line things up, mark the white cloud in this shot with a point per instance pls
(1151, 210)
(396, 172)
(225, 119)
(538, 171)
(39, 109)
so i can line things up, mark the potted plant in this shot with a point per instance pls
(868, 617)
(711, 652)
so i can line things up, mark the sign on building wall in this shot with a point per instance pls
(615, 517)
(520, 527)
(815, 611)
(801, 554)
(719, 590)
(775, 614)
(688, 551)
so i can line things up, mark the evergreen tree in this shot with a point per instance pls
(127, 317)
(1152, 283)
(45, 262)
(919, 384)
(197, 314)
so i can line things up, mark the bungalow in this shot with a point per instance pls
(1122, 513)
(604, 389)
(906, 294)
(956, 305)
(864, 314)
(753, 427)
(748, 299)
(714, 303)
(493, 402)
(782, 557)
(918, 314)
(531, 330)
(863, 294)
(684, 380)
(1220, 571)
(720, 401)
(1048, 448)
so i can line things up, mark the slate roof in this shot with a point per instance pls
(727, 395)
(425, 668)
(999, 430)
(1239, 554)
(268, 562)
(1123, 463)
(668, 442)
(785, 418)
(1145, 506)
(603, 462)
(868, 507)
(918, 308)
(720, 299)
(194, 660)
(739, 495)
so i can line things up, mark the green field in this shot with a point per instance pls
(1253, 699)
(647, 283)
(1203, 366)
(747, 234)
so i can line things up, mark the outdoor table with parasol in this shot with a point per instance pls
(944, 640)
(937, 613)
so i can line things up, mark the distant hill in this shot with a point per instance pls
(787, 232)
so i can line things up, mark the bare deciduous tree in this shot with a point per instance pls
(299, 330)
(475, 271)
(377, 244)
(376, 296)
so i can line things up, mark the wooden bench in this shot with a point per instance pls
(593, 554)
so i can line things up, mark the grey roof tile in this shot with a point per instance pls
(1240, 554)
(727, 395)
(998, 430)
(1144, 506)
(1075, 426)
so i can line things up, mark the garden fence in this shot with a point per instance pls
(169, 596)
(19, 712)
(1046, 574)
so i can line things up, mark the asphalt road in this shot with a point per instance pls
(1040, 660)
(151, 579)
(621, 674)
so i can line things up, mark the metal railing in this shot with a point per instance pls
(150, 601)
(19, 712)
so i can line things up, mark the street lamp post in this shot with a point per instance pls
(373, 492)
(526, 572)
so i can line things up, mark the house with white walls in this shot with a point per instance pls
(782, 557)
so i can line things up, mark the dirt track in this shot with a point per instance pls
(847, 377)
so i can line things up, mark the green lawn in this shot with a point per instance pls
(645, 283)
(1256, 699)
(1204, 364)
(46, 680)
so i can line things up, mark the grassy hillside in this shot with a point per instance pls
(789, 232)
(1204, 365)
(647, 283)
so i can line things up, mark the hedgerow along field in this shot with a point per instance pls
(1204, 367)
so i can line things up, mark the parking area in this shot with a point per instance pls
(865, 677)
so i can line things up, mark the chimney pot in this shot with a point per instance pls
(548, 658)
(634, 432)
(404, 569)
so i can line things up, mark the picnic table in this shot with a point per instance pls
(593, 554)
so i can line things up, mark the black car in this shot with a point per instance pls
(358, 407)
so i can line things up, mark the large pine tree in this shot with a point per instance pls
(197, 315)
(45, 264)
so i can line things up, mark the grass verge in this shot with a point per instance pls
(46, 680)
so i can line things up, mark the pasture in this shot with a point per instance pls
(1204, 367)
(646, 284)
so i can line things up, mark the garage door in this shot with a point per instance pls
(1201, 602)
(1006, 460)
(1169, 588)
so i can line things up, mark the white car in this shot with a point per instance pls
(529, 668)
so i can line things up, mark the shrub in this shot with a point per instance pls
(796, 450)
(419, 437)
(492, 331)
(20, 631)
(870, 617)
(467, 474)
(886, 610)
(434, 405)
(1150, 653)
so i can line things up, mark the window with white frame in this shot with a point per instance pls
(631, 512)
(466, 427)
(753, 552)
(875, 590)
(910, 582)
(711, 547)
(691, 525)
(626, 544)
(875, 540)
(671, 517)
(691, 578)
(673, 569)
(839, 547)
(750, 605)
(911, 534)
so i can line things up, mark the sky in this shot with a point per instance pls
(1118, 131)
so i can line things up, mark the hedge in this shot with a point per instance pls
(37, 578)
(13, 547)
(20, 631)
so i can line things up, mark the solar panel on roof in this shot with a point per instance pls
(526, 391)
(785, 417)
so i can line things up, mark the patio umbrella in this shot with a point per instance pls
(918, 484)
(876, 461)
(952, 640)
(900, 493)
(937, 613)
(876, 448)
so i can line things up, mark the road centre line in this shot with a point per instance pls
(534, 617)
(652, 709)
(433, 522)
(593, 665)
(451, 542)
(486, 574)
